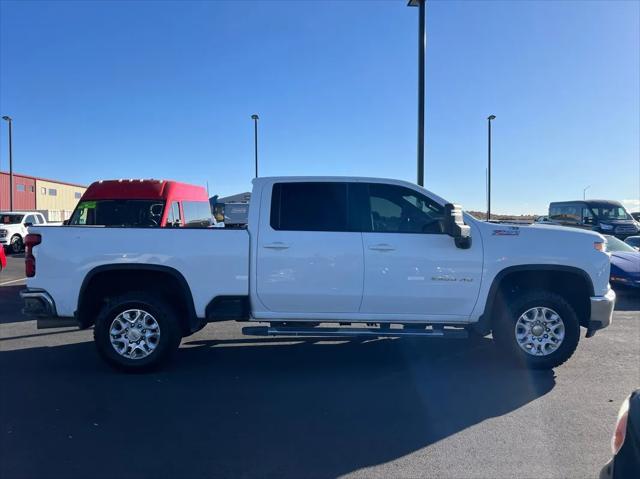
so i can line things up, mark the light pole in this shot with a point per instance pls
(422, 44)
(10, 121)
(584, 192)
(255, 119)
(489, 118)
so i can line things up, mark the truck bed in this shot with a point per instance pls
(214, 262)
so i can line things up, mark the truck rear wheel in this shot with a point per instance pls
(538, 328)
(136, 332)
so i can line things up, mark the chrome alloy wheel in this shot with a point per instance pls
(539, 331)
(134, 334)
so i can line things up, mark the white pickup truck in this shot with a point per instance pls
(13, 228)
(375, 257)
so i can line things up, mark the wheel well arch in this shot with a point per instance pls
(103, 282)
(574, 284)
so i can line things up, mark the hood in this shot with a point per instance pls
(616, 222)
(554, 229)
(626, 261)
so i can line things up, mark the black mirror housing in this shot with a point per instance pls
(454, 226)
(28, 224)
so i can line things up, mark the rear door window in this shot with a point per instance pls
(309, 206)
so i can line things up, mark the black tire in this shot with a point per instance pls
(165, 317)
(504, 328)
(16, 244)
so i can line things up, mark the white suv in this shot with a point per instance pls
(13, 228)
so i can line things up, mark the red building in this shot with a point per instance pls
(55, 199)
(24, 192)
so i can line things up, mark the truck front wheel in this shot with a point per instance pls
(16, 244)
(538, 328)
(136, 331)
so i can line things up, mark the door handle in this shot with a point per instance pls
(276, 245)
(382, 247)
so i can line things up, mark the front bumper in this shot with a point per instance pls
(39, 305)
(631, 282)
(601, 312)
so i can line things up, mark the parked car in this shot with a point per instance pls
(386, 255)
(603, 216)
(625, 443)
(3, 259)
(543, 219)
(13, 228)
(625, 263)
(633, 241)
(143, 203)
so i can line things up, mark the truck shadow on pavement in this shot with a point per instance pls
(11, 305)
(250, 407)
(627, 299)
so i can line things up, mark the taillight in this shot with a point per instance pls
(620, 431)
(30, 241)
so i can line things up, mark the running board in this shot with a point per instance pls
(353, 332)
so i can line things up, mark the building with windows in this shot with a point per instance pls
(55, 199)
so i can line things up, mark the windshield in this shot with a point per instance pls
(127, 213)
(11, 219)
(609, 212)
(614, 245)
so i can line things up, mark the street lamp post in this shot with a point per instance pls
(10, 121)
(584, 192)
(255, 119)
(489, 118)
(422, 44)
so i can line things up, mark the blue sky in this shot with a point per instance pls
(110, 89)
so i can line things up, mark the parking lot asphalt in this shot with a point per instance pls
(233, 406)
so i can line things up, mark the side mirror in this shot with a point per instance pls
(65, 222)
(454, 226)
(28, 224)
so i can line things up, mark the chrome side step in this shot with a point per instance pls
(435, 332)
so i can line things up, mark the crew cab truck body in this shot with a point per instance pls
(373, 257)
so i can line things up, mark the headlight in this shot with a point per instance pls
(606, 227)
(620, 431)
